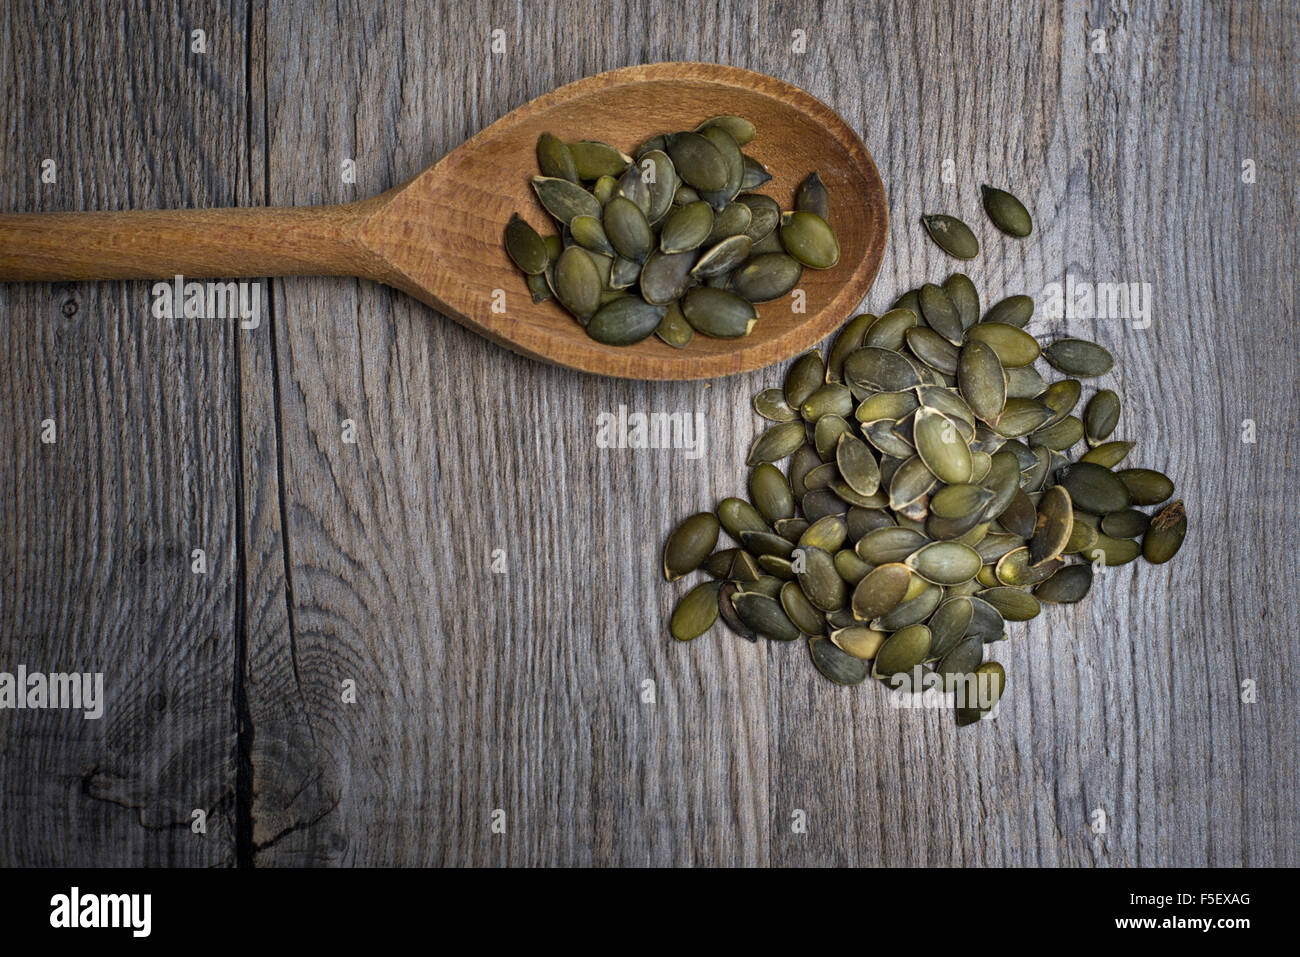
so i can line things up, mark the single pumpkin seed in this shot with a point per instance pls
(718, 313)
(820, 582)
(776, 443)
(857, 465)
(526, 247)
(554, 158)
(1014, 569)
(962, 659)
(628, 231)
(594, 159)
(832, 398)
(1052, 527)
(756, 174)
(770, 492)
(656, 171)
(764, 615)
(1108, 454)
(801, 612)
(940, 313)
(804, 377)
(1006, 212)
(738, 516)
(1025, 382)
(735, 162)
(696, 612)
(989, 682)
(951, 235)
(903, 651)
(686, 228)
(981, 381)
(890, 330)
(1112, 551)
(965, 298)
(723, 257)
(811, 197)
(666, 277)
(625, 321)
(734, 219)
(945, 563)
(1146, 486)
(741, 129)
(577, 282)
(949, 624)
(590, 235)
(1014, 347)
(766, 277)
(1011, 603)
(827, 533)
(1129, 523)
(771, 405)
(563, 199)
(1101, 416)
(941, 447)
(697, 161)
(673, 328)
(1011, 311)
(860, 641)
(1069, 585)
(881, 591)
(1166, 533)
(808, 238)
(1078, 357)
(1093, 488)
(837, 664)
(689, 544)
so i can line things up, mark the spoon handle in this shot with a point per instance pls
(200, 243)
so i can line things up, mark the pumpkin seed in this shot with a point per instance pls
(1011, 311)
(1014, 568)
(723, 257)
(836, 664)
(811, 197)
(801, 612)
(962, 659)
(1011, 603)
(625, 321)
(860, 641)
(755, 174)
(1014, 347)
(666, 277)
(903, 651)
(981, 381)
(771, 405)
(991, 680)
(949, 624)
(1101, 416)
(951, 235)
(738, 516)
(1108, 454)
(764, 615)
(526, 247)
(1094, 488)
(820, 582)
(735, 162)
(554, 158)
(1113, 551)
(697, 161)
(686, 228)
(718, 313)
(740, 129)
(1166, 533)
(766, 277)
(776, 443)
(1006, 212)
(1069, 585)
(808, 238)
(890, 330)
(594, 159)
(945, 563)
(941, 447)
(1146, 486)
(689, 544)
(563, 199)
(940, 313)
(827, 533)
(734, 219)
(696, 612)
(881, 591)
(857, 465)
(1078, 357)
(577, 282)
(1024, 382)
(805, 376)
(627, 228)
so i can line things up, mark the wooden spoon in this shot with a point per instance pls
(438, 237)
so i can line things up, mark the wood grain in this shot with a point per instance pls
(523, 691)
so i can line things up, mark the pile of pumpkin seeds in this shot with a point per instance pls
(929, 497)
(672, 241)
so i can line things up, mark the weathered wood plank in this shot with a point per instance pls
(99, 526)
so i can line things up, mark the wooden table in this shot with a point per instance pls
(351, 682)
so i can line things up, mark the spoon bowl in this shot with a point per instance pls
(438, 236)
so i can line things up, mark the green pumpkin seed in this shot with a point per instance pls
(912, 610)
(1083, 536)
(1113, 551)
(590, 235)
(801, 612)
(1069, 585)
(903, 651)
(826, 435)
(940, 313)
(539, 287)
(941, 448)
(965, 298)
(686, 228)
(1025, 382)
(666, 277)
(628, 231)
(911, 482)
(1094, 488)
(986, 621)
(878, 370)
(738, 516)
(1101, 416)
(1006, 212)
(718, 313)
(945, 563)
(727, 611)
(554, 158)
(1011, 311)
(830, 399)
(735, 161)
(989, 681)
(1166, 533)
(740, 129)
(881, 591)
(755, 174)
(811, 197)
(890, 330)
(673, 328)
(723, 257)
(1052, 528)
(808, 238)
(836, 664)
(696, 612)
(764, 215)
(1146, 486)
(1078, 357)
(625, 321)
(604, 189)
(734, 219)
(820, 582)
(851, 568)
(593, 159)
(526, 247)
(1129, 523)
(804, 377)
(957, 502)
(770, 492)
(949, 624)
(764, 615)
(1021, 417)
(776, 443)
(859, 641)
(689, 544)
(718, 564)
(563, 199)
(887, 545)
(656, 171)
(1108, 454)
(1059, 436)
(761, 544)
(697, 161)
(1014, 347)
(981, 381)
(771, 405)
(766, 277)
(951, 235)
(1011, 603)
(857, 465)
(827, 533)
(962, 659)
(1014, 568)
(577, 282)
